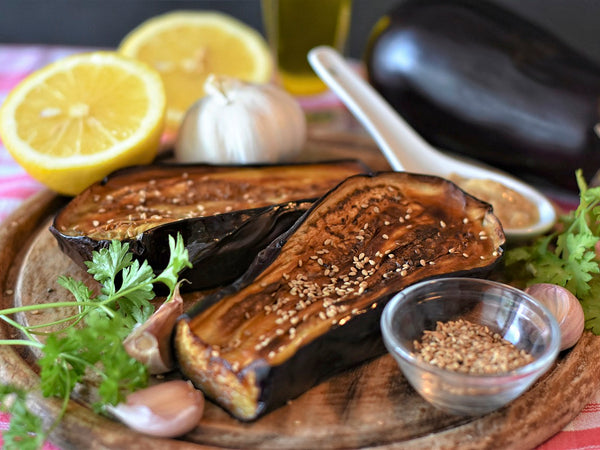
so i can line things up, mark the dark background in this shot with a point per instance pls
(105, 22)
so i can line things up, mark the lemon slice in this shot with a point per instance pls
(187, 46)
(76, 120)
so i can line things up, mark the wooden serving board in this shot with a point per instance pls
(371, 406)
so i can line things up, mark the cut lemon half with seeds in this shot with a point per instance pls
(76, 120)
(187, 46)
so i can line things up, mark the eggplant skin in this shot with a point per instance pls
(310, 303)
(225, 214)
(478, 80)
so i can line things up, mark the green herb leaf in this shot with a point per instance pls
(567, 257)
(107, 263)
(178, 261)
(95, 346)
(26, 430)
(134, 295)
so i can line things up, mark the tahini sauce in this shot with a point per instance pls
(513, 209)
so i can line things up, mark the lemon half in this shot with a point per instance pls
(76, 120)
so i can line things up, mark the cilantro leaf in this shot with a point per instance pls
(59, 370)
(121, 374)
(134, 295)
(178, 261)
(95, 346)
(106, 263)
(566, 257)
(26, 430)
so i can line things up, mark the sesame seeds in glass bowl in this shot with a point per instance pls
(469, 346)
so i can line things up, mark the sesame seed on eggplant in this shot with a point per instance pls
(310, 303)
(226, 214)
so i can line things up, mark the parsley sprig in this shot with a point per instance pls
(89, 342)
(566, 257)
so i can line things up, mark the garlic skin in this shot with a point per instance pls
(168, 409)
(566, 309)
(150, 343)
(241, 123)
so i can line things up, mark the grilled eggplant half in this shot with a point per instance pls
(226, 214)
(309, 305)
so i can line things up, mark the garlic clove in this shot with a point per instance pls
(566, 309)
(168, 409)
(150, 343)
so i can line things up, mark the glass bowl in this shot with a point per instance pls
(510, 312)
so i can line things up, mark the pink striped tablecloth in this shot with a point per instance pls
(17, 61)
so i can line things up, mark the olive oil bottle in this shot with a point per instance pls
(293, 27)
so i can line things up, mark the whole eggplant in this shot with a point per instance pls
(476, 79)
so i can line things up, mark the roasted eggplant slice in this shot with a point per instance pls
(226, 214)
(309, 305)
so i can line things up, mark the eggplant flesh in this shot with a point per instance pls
(309, 305)
(225, 214)
(476, 79)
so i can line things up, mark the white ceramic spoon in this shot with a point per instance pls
(404, 148)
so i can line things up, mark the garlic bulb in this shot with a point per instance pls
(168, 409)
(237, 122)
(565, 307)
